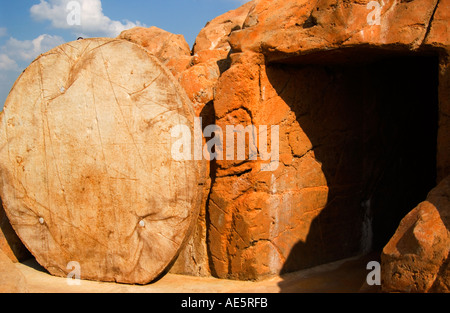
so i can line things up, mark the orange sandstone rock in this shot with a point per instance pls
(214, 36)
(416, 259)
(280, 28)
(172, 50)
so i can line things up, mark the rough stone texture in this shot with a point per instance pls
(297, 30)
(199, 82)
(214, 36)
(279, 28)
(439, 30)
(210, 57)
(278, 62)
(312, 208)
(198, 75)
(172, 50)
(416, 259)
(336, 140)
(87, 173)
(11, 279)
(257, 217)
(317, 205)
(10, 244)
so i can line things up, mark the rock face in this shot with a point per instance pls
(89, 175)
(199, 82)
(216, 32)
(350, 104)
(416, 259)
(299, 31)
(198, 75)
(172, 50)
(279, 28)
(338, 161)
(325, 200)
(339, 158)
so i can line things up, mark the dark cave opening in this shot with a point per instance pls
(407, 114)
(373, 124)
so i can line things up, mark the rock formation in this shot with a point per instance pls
(359, 94)
(172, 50)
(198, 75)
(416, 259)
(214, 36)
(338, 158)
(317, 205)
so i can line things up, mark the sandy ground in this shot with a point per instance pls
(345, 276)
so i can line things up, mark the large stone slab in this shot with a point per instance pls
(86, 168)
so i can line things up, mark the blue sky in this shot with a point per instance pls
(29, 28)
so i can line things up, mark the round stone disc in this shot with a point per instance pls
(87, 174)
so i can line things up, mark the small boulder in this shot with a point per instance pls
(416, 258)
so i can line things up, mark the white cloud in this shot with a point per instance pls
(3, 31)
(16, 55)
(27, 50)
(92, 20)
(9, 71)
(7, 64)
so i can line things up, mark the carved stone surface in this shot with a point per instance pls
(86, 167)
